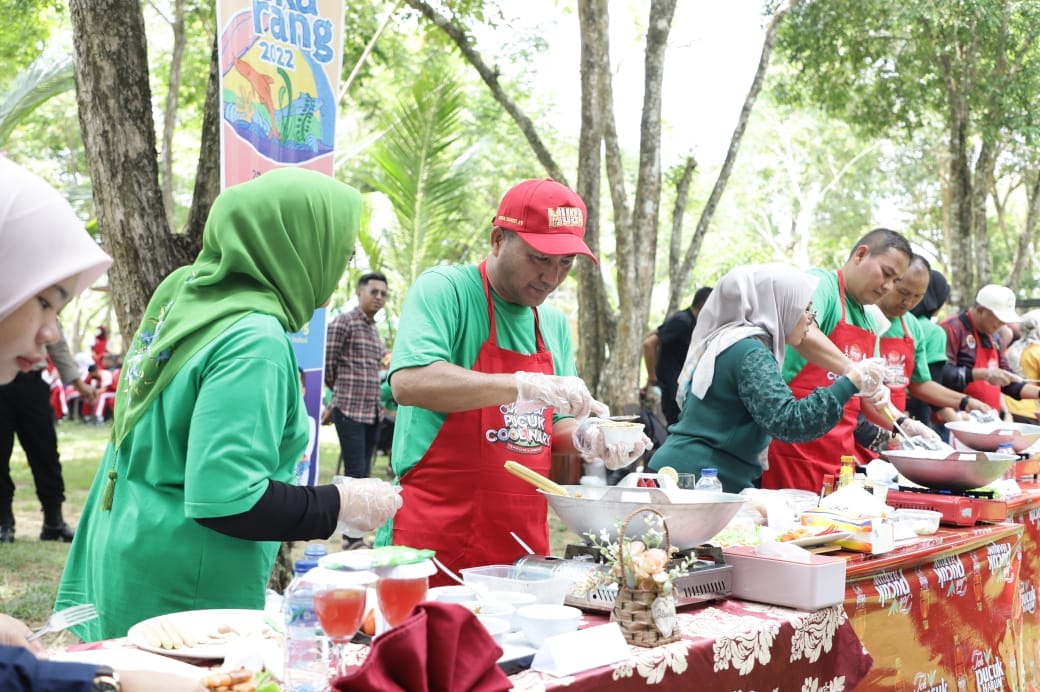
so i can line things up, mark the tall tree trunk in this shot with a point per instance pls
(593, 15)
(982, 183)
(1023, 254)
(637, 243)
(962, 257)
(170, 111)
(115, 112)
(682, 197)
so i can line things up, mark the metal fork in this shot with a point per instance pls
(63, 619)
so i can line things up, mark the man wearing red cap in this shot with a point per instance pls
(484, 373)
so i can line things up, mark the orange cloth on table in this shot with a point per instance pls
(441, 647)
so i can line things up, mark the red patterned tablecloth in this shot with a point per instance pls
(732, 645)
(942, 613)
(1026, 512)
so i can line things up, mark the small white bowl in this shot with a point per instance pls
(623, 432)
(498, 628)
(490, 609)
(540, 621)
(454, 594)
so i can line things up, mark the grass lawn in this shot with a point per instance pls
(31, 569)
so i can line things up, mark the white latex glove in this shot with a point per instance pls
(990, 416)
(568, 395)
(915, 428)
(366, 503)
(588, 440)
(880, 396)
(999, 377)
(867, 374)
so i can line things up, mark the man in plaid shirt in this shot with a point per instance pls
(353, 355)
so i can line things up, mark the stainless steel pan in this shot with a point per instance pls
(692, 516)
(944, 470)
(985, 437)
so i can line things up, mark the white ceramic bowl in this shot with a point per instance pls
(540, 621)
(498, 628)
(490, 609)
(454, 594)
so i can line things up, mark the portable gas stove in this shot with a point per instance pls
(963, 508)
(708, 578)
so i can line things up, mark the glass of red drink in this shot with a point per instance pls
(341, 610)
(397, 596)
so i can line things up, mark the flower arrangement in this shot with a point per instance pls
(646, 564)
(644, 571)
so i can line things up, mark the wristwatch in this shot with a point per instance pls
(106, 680)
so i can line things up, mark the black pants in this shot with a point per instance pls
(357, 444)
(25, 410)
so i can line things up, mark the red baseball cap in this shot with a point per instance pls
(548, 216)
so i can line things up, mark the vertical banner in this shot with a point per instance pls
(280, 62)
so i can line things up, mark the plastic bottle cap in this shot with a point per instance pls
(315, 550)
(304, 566)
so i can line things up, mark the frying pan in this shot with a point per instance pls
(945, 470)
(986, 436)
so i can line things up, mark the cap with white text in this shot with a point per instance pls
(548, 216)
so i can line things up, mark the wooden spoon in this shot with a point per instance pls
(534, 478)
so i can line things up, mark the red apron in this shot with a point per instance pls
(803, 465)
(984, 358)
(898, 353)
(459, 500)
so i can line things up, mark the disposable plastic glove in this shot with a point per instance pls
(366, 503)
(867, 374)
(990, 416)
(588, 440)
(915, 428)
(568, 395)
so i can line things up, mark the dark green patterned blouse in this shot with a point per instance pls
(747, 403)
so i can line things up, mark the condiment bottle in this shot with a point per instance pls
(848, 470)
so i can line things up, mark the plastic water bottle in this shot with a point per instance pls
(709, 480)
(305, 667)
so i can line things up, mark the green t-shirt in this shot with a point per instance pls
(934, 338)
(826, 303)
(444, 318)
(747, 403)
(895, 330)
(230, 420)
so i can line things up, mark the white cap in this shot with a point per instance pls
(999, 300)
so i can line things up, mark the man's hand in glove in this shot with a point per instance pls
(588, 440)
(568, 395)
(916, 428)
(366, 503)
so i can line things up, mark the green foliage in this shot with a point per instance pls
(419, 169)
(44, 79)
(882, 65)
(25, 31)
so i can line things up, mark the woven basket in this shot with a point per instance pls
(632, 609)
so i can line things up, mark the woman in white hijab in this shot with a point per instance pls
(46, 258)
(732, 393)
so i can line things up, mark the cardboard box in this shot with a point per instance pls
(807, 586)
(873, 535)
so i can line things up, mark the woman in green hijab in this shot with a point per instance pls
(194, 491)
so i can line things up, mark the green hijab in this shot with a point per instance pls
(277, 244)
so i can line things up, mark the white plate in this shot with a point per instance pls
(202, 622)
(822, 539)
(515, 646)
(131, 659)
